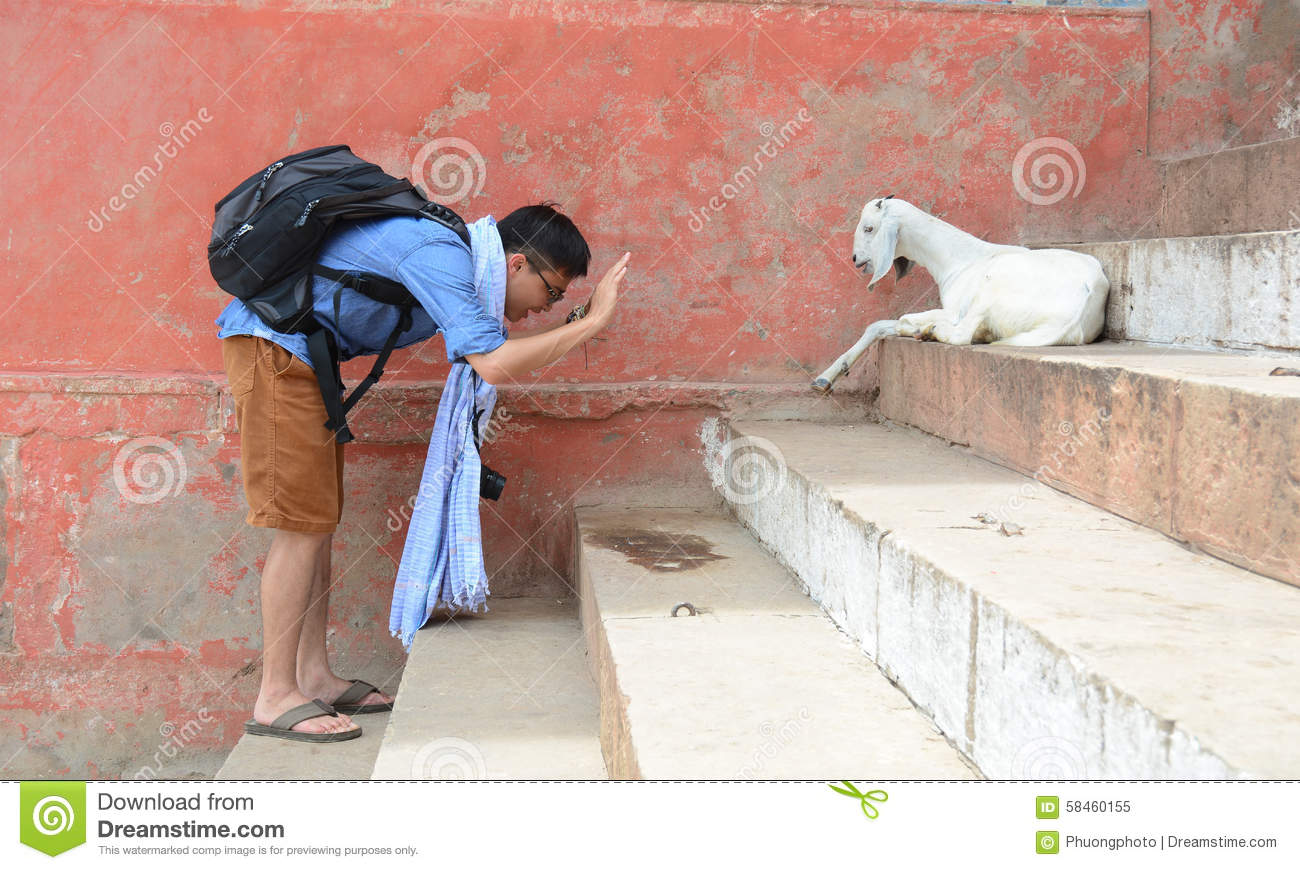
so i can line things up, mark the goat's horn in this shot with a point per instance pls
(891, 196)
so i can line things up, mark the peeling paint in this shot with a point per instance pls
(1287, 118)
(1222, 73)
(298, 118)
(754, 327)
(463, 104)
(515, 139)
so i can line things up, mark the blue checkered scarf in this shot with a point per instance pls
(442, 562)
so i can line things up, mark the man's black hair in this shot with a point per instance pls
(548, 237)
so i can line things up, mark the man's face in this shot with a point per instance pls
(526, 284)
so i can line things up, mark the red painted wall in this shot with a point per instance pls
(1223, 74)
(633, 116)
(729, 146)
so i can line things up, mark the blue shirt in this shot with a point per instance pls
(428, 259)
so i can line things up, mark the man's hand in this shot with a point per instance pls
(600, 308)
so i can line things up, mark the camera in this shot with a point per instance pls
(490, 483)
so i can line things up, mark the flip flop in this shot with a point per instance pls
(283, 725)
(347, 702)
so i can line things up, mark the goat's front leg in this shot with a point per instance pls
(964, 331)
(922, 323)
(841, 366)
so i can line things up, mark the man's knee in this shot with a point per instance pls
(302, 540)
(304, 535)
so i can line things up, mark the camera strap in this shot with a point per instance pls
(478, 412)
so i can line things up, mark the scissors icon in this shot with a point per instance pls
(867, 807)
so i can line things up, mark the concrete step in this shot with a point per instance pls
(499, 695)
(260, 757)
(1232, 291)
(1203, 446)
(758, 684)
(1072, 644)
(1248, 188)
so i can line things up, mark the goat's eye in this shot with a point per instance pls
(869, 229)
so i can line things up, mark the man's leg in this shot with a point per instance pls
(287, 582)
(315, 678)
(287, 460)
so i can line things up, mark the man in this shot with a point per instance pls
(292, 466)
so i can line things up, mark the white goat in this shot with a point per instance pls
(1003, 294)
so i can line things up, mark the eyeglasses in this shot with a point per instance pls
(552, 295)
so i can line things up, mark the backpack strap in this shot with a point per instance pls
(323, 348)
(325, 361)
(321, 345)
(394, 204)
(403, 324)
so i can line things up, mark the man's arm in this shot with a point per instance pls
(538, 330)
(514, 359)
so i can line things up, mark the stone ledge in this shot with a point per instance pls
(1199, 445)
(1228, 291)
(1246, 189)
(85, 404)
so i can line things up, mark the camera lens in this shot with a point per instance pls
(490, 483)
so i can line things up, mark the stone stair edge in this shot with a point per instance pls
(1130, 439)
(610, 625)
(480, 738)
(1137, 240)
(904, 539)
(1094, 356)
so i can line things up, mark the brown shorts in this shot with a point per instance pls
(292, 466)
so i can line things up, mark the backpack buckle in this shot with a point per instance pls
(437, 210)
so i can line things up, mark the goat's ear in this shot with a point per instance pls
(882, 249)
(902, 266)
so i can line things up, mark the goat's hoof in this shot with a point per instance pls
(821, 385)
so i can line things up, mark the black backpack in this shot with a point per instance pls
(266, 235)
